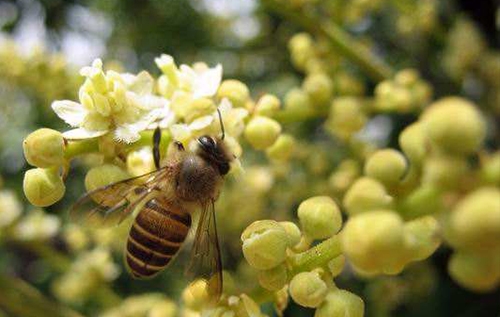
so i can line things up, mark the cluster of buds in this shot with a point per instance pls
(148, 305)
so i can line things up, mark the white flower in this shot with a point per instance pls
(37, 226)
(200, 80)
(10, 208)
(122, 103)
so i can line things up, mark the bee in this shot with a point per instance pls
(165, 200)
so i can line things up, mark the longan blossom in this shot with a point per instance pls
(111, 102)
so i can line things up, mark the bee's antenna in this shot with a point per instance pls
(221, 124)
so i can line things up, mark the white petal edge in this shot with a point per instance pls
(71, 112)
(207, 82)
(80, 134)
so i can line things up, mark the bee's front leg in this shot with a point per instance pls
(156, 147)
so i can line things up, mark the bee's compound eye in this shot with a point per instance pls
(206, 142)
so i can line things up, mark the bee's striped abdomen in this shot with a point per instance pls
(155, 237)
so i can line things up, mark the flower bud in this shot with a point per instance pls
(308, 289)
(195, 295)
(366, 194)
(454, 125)
(273, 279)
(292, 231)
(140, 162)
(374, 242)
(341, 303)
(264, 244)
(301, 49)
(298, 104)
(234, 90)
(267, 105)
(44, 148)
(319, 217)
(475, 221)
(336, 265)
(346, 117)
(164, 308)
(412, 142)
(444, 171)
(475, 271)
(101, 176)
(319, 87)
(262, 132)
(282, 149)
(11, 208)
(490, 169)
(422, 237)
(43, 187)
(387, 166)
(344, 175)
(424, 200)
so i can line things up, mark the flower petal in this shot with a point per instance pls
(127, 133)
(207, 82)
(81, 133)
(71, 112)
(201, 123)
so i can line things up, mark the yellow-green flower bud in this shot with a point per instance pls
(43, 187)
(267, 105)
(298, 104)
(388, 166)
(336, 265)
(274, 279)
(444, 171)
(422, 237)
(196, 295)
(140, 162)
(319, 217)
(44, 148)
(344, 175)
(424, 200)
(282, 149)
(346, 117)
(341, 303)
(475, 221)
(301, 49)
(490, 169)
(454, 125)
(164, 308)
(319, 87)
(412, 142)
(374, 242)
(234, 90)
(264, 244)
(292, 231)
(308, 289)
(262, 132)
(475, 271)
(103, 175)
(366, 194)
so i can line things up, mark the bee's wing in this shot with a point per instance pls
(205, 259)
(111, 204)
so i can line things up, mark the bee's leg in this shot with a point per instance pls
(156, 147)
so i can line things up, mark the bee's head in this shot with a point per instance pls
(214, 151)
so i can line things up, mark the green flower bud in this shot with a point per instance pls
(319, 87)
(341, 303)
(320, 217)
(44, 148)
(374, 242)
(282, 149)
(346, 117)
(444, 171)
(267, 105)
(103, 175)
(424, 200)
(475, 221)
(344, 175)
(477, 272)
(274, 279)
(43, 187)
(490, 169)
(390, 96)
(454, 125)
(412, 142)
(298, 104)
(262, 132)
(422, 237)
(164, 308)
(264, 244)
(388, 166)
(301, 49)
(234, 90)
(366, 194)
(195, 295)
(336, 265)
(292, 231)
(308, 289)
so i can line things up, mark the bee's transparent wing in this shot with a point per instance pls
(111, 204)
(205, 261)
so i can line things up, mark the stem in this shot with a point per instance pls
(75, 148)
(340, 39)
(317, 256)
(21, 299)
